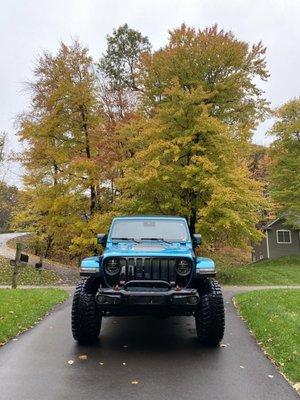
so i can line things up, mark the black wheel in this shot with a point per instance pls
(210, 316)
(86, 318)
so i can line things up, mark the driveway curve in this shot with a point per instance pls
(67, 274)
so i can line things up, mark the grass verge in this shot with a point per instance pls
(282, 271)
(273, 315)
(28, 275)
(22, 308)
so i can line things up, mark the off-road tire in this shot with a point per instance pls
(210, 315)
(86, 318)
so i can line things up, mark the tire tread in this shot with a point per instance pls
(210, 318)
(86, 318)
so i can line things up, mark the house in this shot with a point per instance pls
(280, 240)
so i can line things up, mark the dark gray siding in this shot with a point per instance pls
(283, 249)
(260, 251)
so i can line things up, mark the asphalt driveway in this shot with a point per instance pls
(138, 358)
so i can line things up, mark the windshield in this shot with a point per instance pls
(151, 229)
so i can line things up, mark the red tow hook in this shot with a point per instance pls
(178, 288)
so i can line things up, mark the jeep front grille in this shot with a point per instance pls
(148, 268)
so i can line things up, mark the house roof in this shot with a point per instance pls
(269, 224)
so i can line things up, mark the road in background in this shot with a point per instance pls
(68, 275)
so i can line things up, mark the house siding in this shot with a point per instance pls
(283, 249)
(277, 249)
(260, 251)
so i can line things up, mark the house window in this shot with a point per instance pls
(284, 236)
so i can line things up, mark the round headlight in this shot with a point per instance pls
(183, 267)
(112, 267)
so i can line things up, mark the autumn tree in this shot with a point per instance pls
(285, 155)
(68, 151)
(200, 105)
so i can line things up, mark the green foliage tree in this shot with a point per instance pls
(190, 143)
(118, 75)
(8, 203)
(285, 166)
(121, 62)
(2, 140)
(8, 194)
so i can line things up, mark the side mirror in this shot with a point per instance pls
(197, 240)
(102, 239)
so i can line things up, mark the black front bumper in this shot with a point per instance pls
(147, 297)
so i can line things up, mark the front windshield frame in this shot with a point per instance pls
(131, 237)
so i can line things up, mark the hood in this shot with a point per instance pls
(148, 249)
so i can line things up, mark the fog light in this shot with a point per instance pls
(101, 299)
(193, 300)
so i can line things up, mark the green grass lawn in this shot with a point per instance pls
(282, 271)
(28, 275)
(22, 308)
(274, 317)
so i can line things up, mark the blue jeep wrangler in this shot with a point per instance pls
(148, 267)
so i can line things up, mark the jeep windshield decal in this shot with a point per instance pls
(166, 230)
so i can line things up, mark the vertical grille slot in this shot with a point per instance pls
(155, 268)
(139, 269)
(148, 268)
(164, 269)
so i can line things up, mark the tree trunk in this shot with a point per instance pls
(93, 193)
(49, 243)
(192, 221)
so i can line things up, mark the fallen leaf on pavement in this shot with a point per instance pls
(83, 357)
(134, 382)
(296, 386)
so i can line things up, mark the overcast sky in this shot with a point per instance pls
(29, 27)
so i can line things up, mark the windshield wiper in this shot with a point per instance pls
(158, 239)
(123, 238)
